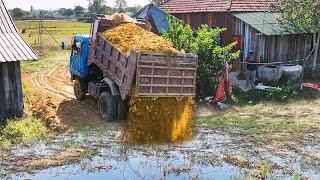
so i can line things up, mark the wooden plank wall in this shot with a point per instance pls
(280, 48)
(270, 48)
(222, 20)
(11, 98)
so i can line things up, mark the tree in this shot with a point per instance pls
(17, 13)
(78, 11)
(99, 7)
(157, 2)
(301, 16)
(120, 5)
(205, 43)
(31, 12)
(134, 9)
(65, 12)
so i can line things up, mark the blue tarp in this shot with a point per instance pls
(158, 17)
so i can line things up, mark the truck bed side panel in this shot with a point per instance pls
(115, 65)
(160, 75)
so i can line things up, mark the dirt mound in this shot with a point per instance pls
(130, 36)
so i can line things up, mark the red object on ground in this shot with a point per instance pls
(224, 88)
(315, 86)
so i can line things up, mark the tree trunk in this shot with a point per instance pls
(316, 42)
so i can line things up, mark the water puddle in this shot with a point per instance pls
(209, 154)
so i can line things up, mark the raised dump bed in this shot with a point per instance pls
(147, 74)
(115, 78)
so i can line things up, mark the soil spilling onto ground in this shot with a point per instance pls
(161, 120)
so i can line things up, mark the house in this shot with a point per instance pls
(13, 49)
(248, 22)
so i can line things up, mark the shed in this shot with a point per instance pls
(248, 22)
(13, 49)
(263, 34)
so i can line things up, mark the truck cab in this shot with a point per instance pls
(87, 79)
(79, 56)
(79, 69)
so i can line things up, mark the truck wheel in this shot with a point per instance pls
(107, 106)
(79, 89)
(123, 108)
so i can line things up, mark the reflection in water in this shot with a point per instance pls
(161, 120)
(203, 157)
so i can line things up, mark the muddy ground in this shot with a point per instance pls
(81, 146)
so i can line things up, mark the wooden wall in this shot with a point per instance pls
(11, 98)
(281, 48)
(269, 48)
(222, 20)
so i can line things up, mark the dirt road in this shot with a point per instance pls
(53, 100)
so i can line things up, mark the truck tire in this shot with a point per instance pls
(107, 106)
(123, 108)
(79, 88)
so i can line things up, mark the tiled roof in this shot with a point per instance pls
(12, 46)
(187, 6)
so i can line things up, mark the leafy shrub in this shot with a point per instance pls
(206, 44)
(281, 93)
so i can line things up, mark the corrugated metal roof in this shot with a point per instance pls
(192, 6)
(265, 22)
(12, 46)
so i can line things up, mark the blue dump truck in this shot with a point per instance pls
(100, 70)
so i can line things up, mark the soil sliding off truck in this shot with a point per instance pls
(99, 69)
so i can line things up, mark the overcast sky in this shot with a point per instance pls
(56, 4)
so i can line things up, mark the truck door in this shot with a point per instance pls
(75, 58)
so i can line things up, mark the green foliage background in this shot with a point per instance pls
(206, 44)
(301, 16)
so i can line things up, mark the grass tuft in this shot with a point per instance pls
(20, 131)
(262, 129)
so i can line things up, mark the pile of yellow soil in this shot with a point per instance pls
(130, 36)
(161, 120)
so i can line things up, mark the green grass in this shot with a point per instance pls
(253, 125)
(61, 30)
(266, 122)
(282, 93)
(50, 60)
(50, 53)
(21, 131)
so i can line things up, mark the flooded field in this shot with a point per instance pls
(98, 154)
(253, 142)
